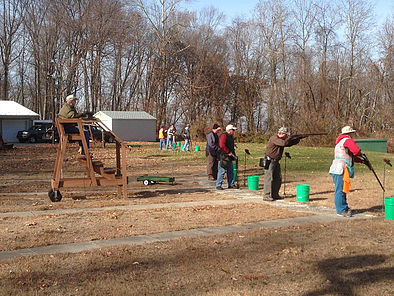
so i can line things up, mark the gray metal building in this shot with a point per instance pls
(130, 125)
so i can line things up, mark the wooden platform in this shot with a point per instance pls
(4, 145)
(96, 173)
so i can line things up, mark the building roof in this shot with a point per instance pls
(127, 114)
(11, 108)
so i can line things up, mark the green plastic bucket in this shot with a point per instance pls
(182, 146)
(389, 208)
(303, 192)
(253, 182)
(178, 144)
(197, 148)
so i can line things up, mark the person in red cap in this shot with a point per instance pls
(212, 152)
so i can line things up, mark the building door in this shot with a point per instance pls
(10, 128)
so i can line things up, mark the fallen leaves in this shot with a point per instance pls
(30, 224)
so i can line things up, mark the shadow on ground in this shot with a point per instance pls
(149, 194)
(371, 209)
(343, 274)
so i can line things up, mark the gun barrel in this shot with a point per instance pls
(314, 134)
(307, 135)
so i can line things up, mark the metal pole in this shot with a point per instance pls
(287, 155)
(245, 171)
(384, 181)
(246, 152)
(284, 180)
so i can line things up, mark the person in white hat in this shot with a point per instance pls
(68, 111)
(346, 152)
(273, 154)
(225, 165)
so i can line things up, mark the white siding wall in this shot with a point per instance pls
(135, 129)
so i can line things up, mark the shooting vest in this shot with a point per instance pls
(342, 159)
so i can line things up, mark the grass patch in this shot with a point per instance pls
(305, 160)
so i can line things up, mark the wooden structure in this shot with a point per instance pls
(97, 175)
(4, 145)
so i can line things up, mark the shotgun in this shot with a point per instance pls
(302, 136)
(369, 165)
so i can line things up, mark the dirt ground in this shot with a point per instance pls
(347, 257)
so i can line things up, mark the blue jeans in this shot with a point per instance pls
(230, 175)
(162, 143)
(340, 196)
(186, 147)
(75, 130)
(169, 140)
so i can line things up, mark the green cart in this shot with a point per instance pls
(148, 180)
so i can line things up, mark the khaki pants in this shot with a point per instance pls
(272, 179)
(212, 166)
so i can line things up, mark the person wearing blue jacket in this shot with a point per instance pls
(212, 152)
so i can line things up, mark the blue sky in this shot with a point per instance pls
(234, 8)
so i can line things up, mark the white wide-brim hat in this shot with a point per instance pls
(347, 130)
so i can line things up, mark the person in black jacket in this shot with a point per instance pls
(212, 152)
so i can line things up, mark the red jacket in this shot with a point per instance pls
(226, 143)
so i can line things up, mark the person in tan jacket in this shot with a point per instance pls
(68, 111)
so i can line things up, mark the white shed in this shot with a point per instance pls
(130, 125)
(13, 118)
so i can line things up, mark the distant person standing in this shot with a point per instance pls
(225, 165)
(212, 152)
(170, 137)
(186, 135)
(162, 137)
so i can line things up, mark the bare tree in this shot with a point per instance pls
(358, 18)
(327, 22)
(11, 17)
(248, 70)
(304, 15)
(272, 20)
(162, 18)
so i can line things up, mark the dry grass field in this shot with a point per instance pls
(346, 257)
